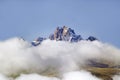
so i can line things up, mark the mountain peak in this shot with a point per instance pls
(63, 34)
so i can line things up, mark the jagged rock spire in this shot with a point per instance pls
(63, 34)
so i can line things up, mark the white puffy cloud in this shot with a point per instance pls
(52, 57)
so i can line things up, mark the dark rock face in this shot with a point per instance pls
(93, 63)
(37, 41)
(91, 38)
(63, 34)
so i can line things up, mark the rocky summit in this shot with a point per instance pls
(63, 34)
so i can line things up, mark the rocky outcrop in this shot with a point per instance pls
(63, 34)
(37, 41)
(91, 38)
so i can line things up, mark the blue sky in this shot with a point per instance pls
(32, 18)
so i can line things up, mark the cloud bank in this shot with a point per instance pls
(63, 60)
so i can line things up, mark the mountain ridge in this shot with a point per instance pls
(63, 34)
